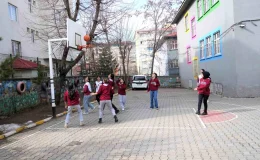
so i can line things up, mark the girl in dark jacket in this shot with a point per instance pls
(203, 92)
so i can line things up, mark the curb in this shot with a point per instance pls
(22, 128)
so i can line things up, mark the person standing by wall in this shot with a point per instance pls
(203, 92)
(86, 100)
(98, 83)
(71, 100)
(121, 92)
(153, 86)
(105, 91)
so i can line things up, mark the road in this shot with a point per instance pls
(230, 131)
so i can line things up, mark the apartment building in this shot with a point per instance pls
(24, 33)
(163, 63)
(220, 36)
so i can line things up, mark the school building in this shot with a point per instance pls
(222, 37)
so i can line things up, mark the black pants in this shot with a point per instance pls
(203, 98)
(98, 98)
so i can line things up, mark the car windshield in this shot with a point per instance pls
(139, 78)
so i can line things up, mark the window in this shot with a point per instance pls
(174, 45)
(12, 12)
(32, 35)
(175, 63)
(186, 22)
(208, 46)
(202, 49)
(200, 9)
(188, 55)
(16, 48)
(193, 28)
(206, 5)
(31, 3)
(214, 2)
(216, 37)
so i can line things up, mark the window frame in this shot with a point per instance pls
(174, 44)
(207, 5)
(32, 35)
(200, 8)
(188, 54)
(19, 53)
(202, 49)
(186, 19)
(214, 44)
(10, 11)
(193, 27)
(208, 46)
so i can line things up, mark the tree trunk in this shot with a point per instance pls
(153, 62)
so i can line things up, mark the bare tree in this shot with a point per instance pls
(123, 36)
(51, 23)
(160, 13)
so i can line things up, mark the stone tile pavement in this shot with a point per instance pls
(230, 131)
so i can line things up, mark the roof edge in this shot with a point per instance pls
(182, 10)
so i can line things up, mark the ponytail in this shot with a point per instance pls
(72, 92)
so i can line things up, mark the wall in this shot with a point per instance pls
(247, 50)
(12, 102)
(12, 30)
(222, 68)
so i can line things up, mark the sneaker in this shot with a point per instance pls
(116, 119)
(100, 120)
(85, 113)
(157, 108)
(81, 124)
(94, 108)
(66, 125)
(123, 109)
(151, 108)
(204, 113)
(198, 113)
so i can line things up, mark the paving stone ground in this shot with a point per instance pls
(231, 131)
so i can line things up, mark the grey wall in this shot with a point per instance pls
(247, 48)
(236, 70)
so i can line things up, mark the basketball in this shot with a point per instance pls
(86, 38)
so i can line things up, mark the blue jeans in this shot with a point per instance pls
(153, 98)
(86, 103)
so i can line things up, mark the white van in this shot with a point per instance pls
(139, 81)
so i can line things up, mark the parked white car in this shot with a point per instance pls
(139, 81)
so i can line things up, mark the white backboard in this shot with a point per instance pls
(75, 34)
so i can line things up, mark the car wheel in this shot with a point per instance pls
(133, 89)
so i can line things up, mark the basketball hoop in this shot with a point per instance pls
(87, 39)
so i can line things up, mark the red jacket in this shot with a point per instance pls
(105, 92)
(121, 88)
(203, 87)
(86, 90)
(153, 84)
(71, 102)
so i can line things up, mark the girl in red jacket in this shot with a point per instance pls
(153, 86)
(121, 92)
(72, 99)
(204, 92)
(105, 91)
